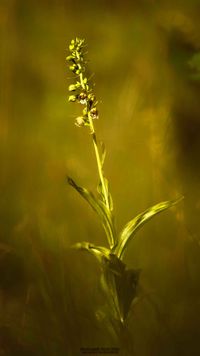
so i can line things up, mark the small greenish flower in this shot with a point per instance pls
(80, 121)
(70, 58)
(71, 46)
(72, 87)
(82, 98)
(83, 91)
(72, 98)
(85, 112)
(94, 113)
(91, 98)
(74, 68)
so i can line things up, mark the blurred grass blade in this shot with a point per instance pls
(136, 223)
(100, 208)
(5, 248)
(98, 251)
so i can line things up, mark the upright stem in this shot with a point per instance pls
(94, 139)
(99, 165)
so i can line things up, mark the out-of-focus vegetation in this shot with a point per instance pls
(145, 56)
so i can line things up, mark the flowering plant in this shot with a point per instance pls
(117, 280)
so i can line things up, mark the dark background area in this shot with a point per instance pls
(145, 56)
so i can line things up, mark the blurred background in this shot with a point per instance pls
(145, 56)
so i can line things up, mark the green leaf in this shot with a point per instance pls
(100, 208)
(100, 191)
(120, 285)
(118, 282)
(108, 213)
(98, 251)
(110, 201)
(103, 153)
(99, 187)
(136, 223)
(102, 197)
(108, 285)
(126, 287)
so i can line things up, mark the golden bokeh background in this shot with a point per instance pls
(145, 56)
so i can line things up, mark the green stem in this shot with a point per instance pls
(94, 139)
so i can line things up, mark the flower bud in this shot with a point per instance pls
(73, 68)
(72, 98)
(91, 97)
(70, 58)
(72, 87)
(72, 45)
(85, 112)
(78, 70)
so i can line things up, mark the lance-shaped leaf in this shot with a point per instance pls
(99, 208)
(99, 252)
(136, 223)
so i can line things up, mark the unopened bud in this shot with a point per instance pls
(72, 98)
(70, 58)
(73, 68)
(72, 87)
(71, 46)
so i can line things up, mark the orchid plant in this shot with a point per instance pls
(119, 282)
